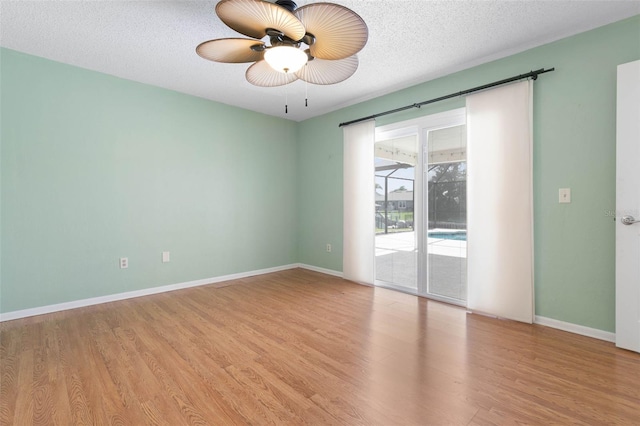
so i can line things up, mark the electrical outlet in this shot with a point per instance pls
(124, 262)
(328, 248)
(166, 256)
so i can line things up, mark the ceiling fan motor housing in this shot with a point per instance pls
(287, 4)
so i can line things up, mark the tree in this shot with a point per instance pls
(447, 192)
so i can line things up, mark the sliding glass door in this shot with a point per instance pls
(420, 207)
(395, 197)
(445, 201)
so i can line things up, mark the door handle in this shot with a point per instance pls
(628, 220)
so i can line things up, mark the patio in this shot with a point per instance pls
(397, 256)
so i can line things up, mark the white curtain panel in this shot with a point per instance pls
(500, 202)
(359, 202)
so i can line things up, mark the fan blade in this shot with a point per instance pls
(320, 71)
(230, 50)
(339, 32)
(261, 74)
(253, 17)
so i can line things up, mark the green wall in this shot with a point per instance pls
(574, 146)
(95, 168)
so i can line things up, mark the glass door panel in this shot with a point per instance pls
(446, 199)
(396, 246)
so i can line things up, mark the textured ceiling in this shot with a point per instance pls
(410, 41)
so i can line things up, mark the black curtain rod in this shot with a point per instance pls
(532, 74)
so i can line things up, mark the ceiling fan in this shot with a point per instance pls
(316, 43)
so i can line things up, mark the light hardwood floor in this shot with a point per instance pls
(299, 347)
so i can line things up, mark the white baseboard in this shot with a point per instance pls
(577, 329)
(321, 270)
(8, 316)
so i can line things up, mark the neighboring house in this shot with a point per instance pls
(396, 201)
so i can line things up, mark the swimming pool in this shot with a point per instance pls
(458, 236)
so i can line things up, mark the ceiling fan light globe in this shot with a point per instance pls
(285, 59)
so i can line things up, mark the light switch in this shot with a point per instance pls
(564, 195)
(166, 257)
